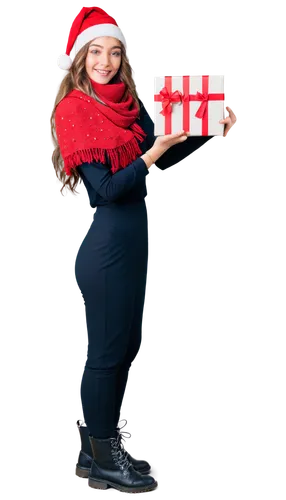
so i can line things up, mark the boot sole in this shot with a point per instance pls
(80, 473)
(100, 485)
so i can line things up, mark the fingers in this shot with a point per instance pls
(229, 121)
(181, 132)
(182, 135)
(230, 109)
(226, 128)
(174, 136)
(232, 114)
(227, 125)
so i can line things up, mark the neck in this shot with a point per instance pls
(109, 91)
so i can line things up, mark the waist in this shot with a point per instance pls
(121, 207)
(122, 213)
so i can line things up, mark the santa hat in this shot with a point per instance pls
(90, 23)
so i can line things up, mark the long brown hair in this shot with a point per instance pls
(77, 78)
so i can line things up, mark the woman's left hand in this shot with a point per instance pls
(229, 121)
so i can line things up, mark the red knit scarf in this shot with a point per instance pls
(88, 130)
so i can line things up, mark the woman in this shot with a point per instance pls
(98, 122)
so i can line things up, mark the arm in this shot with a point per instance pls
(175, 153)
(111, 186)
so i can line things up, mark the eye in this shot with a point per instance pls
(94, 51)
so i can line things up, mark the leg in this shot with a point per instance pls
(109, 303)
(122, 378)
(134, 344)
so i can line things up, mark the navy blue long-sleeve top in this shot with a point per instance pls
(129, 183)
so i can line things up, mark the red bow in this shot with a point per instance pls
(168, 98)
(204, 98)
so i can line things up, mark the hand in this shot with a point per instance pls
(229, 121)
(164, 142)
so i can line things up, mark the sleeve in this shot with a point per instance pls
(175, 153)
(112, 186)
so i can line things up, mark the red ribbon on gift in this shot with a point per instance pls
(167, 97)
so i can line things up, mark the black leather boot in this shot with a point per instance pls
(85, 455)
(84, 459)
(140, 465)
(111, 468)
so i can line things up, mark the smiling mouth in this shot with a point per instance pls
(104, 73)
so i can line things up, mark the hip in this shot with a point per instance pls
(118, 232)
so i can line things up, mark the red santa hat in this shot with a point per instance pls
(90, 23)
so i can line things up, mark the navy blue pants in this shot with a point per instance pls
(111, 271)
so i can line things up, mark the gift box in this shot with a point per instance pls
(194, 104)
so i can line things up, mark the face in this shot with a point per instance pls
(104, 53)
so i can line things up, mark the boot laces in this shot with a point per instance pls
(120, 454)
(123, 433)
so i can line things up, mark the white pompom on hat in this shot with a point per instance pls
(90, 23)
(64, 61)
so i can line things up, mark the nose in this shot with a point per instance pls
(104, 60)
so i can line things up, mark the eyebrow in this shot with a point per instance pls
(97, 45)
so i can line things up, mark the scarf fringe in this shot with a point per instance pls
(138, 131)
(121, 156)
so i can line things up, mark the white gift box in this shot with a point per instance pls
(191, 103)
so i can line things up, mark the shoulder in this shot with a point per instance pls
(143, 107)
(73, 103)
(146, 122)
(144, 112)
